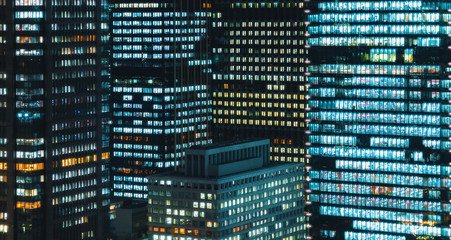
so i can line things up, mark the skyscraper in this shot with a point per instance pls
(160, 101)
(380, 119)
(53, 116)
(258, 77)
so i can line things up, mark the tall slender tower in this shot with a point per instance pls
(380, 119)
(53, 119)
(160, 101)
(258, 73)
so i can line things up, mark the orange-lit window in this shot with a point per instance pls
(105, 155)
(74, 161)
(28, 205)
(29, 167)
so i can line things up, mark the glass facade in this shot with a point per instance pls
(379, 131)
(258, 74)
(54, 92)
(160, 98)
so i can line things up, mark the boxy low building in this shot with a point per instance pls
(228, 191)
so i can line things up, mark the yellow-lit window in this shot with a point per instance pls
(28, 205)
(29, 167)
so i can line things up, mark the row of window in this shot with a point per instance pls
(333, 139)
(361, 81)
(29, 14)
(130, 195)
(258, 77)
(141, 5)
(390, 142)
(27, 39)
(370, 214)
(155, 130)
(402, 131)
(359, 93)
(133, 187)
(158, 40)
(401, 118)
(402, 228)
(359, 105)
(140, 155)
(371, 236)
(380, 29)
(29, 2)
(379, 106)
(73, 198)
(357, 41)
(381, 82)
(159, 23)
(157, 14)
(382, 5)
(392, 203)
(136, 146)
(367, 189)
(374, 17)
(374, 141)
(72, 2)
(157, 31)
(30, 155)
(131, 179)
(73, 173)
(152, 56)
(159, 90)
(392, 167)
(376, 69)
(74, 185)
(358, 153)
(29, 52)
(167, 106)
(381, 178)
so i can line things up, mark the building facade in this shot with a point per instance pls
(54, 93)
(379, 134)
(228, 191)
(258, 77)
(160, 96)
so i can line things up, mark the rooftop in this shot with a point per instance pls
(226, 144)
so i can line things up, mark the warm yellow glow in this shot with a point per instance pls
(68, 162)
(28, 205)
(29, 167)
(105, 155)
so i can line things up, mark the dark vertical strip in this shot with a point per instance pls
(10, 118)
(48, 96)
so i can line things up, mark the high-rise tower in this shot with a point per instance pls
(160, 96)
(53, 119)
(380, 119)
(258, 73)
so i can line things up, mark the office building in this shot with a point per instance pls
(53, 119)
(258, 81)
(160, 97)
(130, 220)
(380, 119)
(228, 191)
